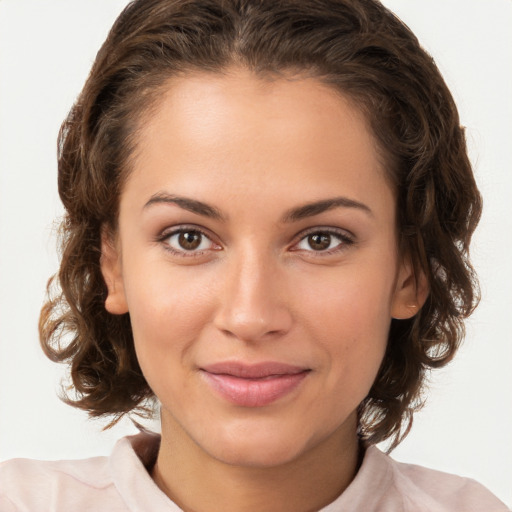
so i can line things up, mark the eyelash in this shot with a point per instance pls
(166, 235)
(345, 240)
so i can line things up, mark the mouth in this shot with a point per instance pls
(253, 385)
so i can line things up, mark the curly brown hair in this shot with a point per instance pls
(355, 46)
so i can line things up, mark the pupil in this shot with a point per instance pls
(319, 242)
(190, 240)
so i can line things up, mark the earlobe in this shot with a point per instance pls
(111, 269)
(411, 292)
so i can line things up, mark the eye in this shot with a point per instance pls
(324, 241)
(188, 240)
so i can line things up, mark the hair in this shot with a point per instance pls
(359, 48)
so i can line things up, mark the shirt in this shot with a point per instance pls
(121, 483)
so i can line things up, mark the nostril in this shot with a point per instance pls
(228, 333)
(251, 333)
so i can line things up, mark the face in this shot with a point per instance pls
(257, 257)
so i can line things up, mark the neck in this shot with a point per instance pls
(197, 482)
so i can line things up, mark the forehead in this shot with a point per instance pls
(247, 131)
(262, 99)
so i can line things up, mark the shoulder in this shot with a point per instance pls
(422, 489)
(117, 483)
(26, 485)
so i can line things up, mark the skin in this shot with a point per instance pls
(257, 288)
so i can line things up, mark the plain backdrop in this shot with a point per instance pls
(46, 50)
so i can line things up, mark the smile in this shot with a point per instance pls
(253, 385)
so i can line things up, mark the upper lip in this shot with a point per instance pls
(253, 371)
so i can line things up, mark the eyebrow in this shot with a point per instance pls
(292, 215)
(318, 207)
(191, 205)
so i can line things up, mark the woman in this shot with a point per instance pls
(269, 207)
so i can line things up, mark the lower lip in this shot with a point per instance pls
(254, 392)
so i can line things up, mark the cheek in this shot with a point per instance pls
(350, 320)
(167, 313)
(353, 304)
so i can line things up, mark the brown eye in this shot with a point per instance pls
(190, 240)
(319, 241)
(324, 241)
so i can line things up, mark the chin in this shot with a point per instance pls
(259, 444)
(256, 453)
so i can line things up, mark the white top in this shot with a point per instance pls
(121, 483)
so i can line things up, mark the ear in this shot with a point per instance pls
(411, 291)
(111, 268)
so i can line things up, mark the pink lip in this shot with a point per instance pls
(253, 385)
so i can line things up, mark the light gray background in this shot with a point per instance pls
(46, 50)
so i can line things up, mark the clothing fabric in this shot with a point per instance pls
(121, 483)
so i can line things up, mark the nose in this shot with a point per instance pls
(252, 304)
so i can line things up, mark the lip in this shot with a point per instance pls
(254, 385)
